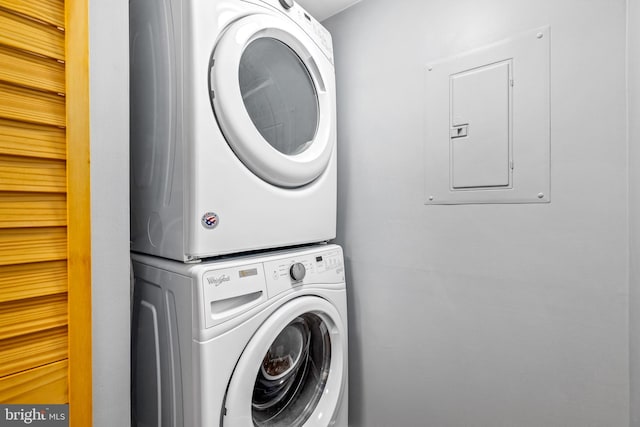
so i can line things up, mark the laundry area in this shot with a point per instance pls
(363, 213)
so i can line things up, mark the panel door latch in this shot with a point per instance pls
(459, 131)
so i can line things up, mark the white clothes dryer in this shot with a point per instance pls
(247, 341)
(233, 127)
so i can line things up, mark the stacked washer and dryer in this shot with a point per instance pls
(239, 304)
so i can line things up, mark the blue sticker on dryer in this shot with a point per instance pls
(210, 220)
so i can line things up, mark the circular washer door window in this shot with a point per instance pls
(268, 87)
(291, 372)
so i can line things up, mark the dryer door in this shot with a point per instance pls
(270, 88)
(291, 373)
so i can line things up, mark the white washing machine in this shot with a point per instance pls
(233, 127)
(247, 341)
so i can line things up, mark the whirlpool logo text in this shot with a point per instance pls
(218, 280)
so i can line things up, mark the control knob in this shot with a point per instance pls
(287, 4)
(297, 271)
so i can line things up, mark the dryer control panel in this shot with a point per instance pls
(320, 35)
(312, 26)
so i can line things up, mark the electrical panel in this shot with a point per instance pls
(487, 124)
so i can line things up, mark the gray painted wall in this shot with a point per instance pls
(634, 202)
(498, 315)
(467, 315)
(109, 86)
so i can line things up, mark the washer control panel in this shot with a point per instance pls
(229, 289)
(317, 268)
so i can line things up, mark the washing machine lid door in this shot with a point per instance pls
(271, 92)
(292, 371)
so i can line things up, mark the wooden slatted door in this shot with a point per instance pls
(36, 191)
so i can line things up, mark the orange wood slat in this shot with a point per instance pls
(79, 201)
(27, 245)
(32, 175)
(31, 140)
(32, 106)
(44, 385)
(32, 36)
(32, 210)
(24, 281)
(24, 69)
(49, 11)
(24, 352)
(32, 315)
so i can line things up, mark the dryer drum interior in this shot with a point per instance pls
(293, 373)
(279, 95)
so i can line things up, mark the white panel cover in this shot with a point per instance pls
(480, 104)
(504, 157)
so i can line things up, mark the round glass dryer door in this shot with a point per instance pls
(268, 88)
(291, 372)
(279, 95)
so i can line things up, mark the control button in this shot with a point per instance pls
(297, 271)
(287, 4)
